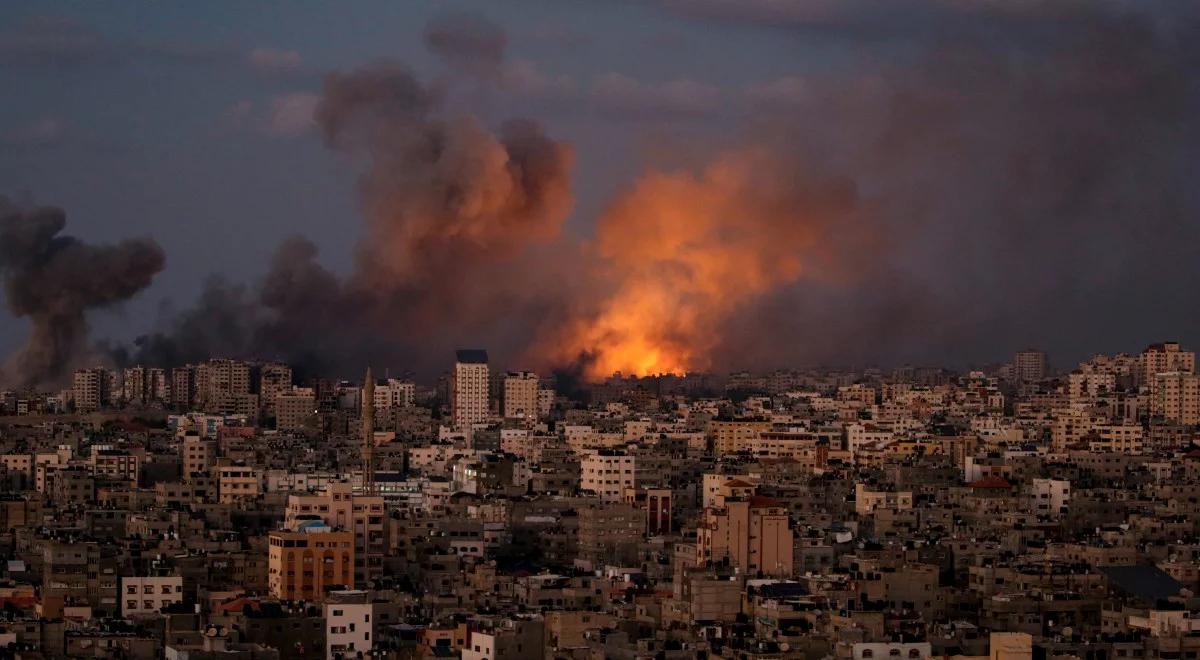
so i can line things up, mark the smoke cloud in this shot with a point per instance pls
(455, 215)
(54, 280)
(939, 199)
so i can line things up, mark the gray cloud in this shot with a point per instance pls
(55, 280)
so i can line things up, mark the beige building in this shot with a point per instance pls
(1029, 365)
(293, 411)
(199, 454)
(734, 435)
(1175, 397)
(521, 397)
(274, 379)
(145, 596)
(338, 507)
(750, 532)
(238, 482)
(469, 387)
(608, 474)
(90, 389)
(867, 500)
(1162, 358)
(218, 378)
(306, 563)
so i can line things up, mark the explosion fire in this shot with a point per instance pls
(685, 251)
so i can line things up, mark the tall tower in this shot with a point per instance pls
(368, 431)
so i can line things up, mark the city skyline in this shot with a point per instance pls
(931, 183)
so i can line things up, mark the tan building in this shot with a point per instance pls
(145, 596)
(750, 532)
(274, 379)
(867, 500)
(1029, 365)
(469, 387)
(218, 378)
(304, 564)
(338, 507)
(1162, 358)
(521, 397)
(1175, 397)
(238, 482)
(733, 435)
(199, 454)
(293, 411)
(90, 388)
(608, 474)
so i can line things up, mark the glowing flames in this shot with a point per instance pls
(682, 252)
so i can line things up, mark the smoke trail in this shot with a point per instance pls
(54, 280)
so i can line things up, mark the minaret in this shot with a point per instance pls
(368, 431)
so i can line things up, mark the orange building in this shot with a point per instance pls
(304, 564)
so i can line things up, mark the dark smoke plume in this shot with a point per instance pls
(454, 214)
(54, 280)
(984, 176)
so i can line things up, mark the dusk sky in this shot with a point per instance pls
(990, 174)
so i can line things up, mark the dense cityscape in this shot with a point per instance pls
(600, 329)
(222, 510)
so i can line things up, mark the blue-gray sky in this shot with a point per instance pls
(190, 123)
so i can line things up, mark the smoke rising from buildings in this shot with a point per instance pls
(946, 198)
(54, 280)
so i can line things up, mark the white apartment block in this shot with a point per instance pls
(348, 627)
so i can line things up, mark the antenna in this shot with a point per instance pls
(368, 431)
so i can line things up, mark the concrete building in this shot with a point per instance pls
(521, 397)
(340, 508)
(608, 474)
(1175, 397)
(146, 596)
(469, 387)
(349, 625)
(1050, 497)
(1164, 357)
(1029, 365)
(91, 389)
(218, 380)
(238, 482)
(749, 532)
(274, 379)
(305, 563)
(294, 411)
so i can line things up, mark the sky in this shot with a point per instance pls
(1008, 184)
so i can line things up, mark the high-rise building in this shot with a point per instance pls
(183, 388)
(521, 396)
(157, 387)
(1175, 397)
(1164, 357)
(749, 531)
(294, 410)
(91, 389)
(469, 389)
(1029, 365)
(133, 385)
(274, 378)
(217, 378)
